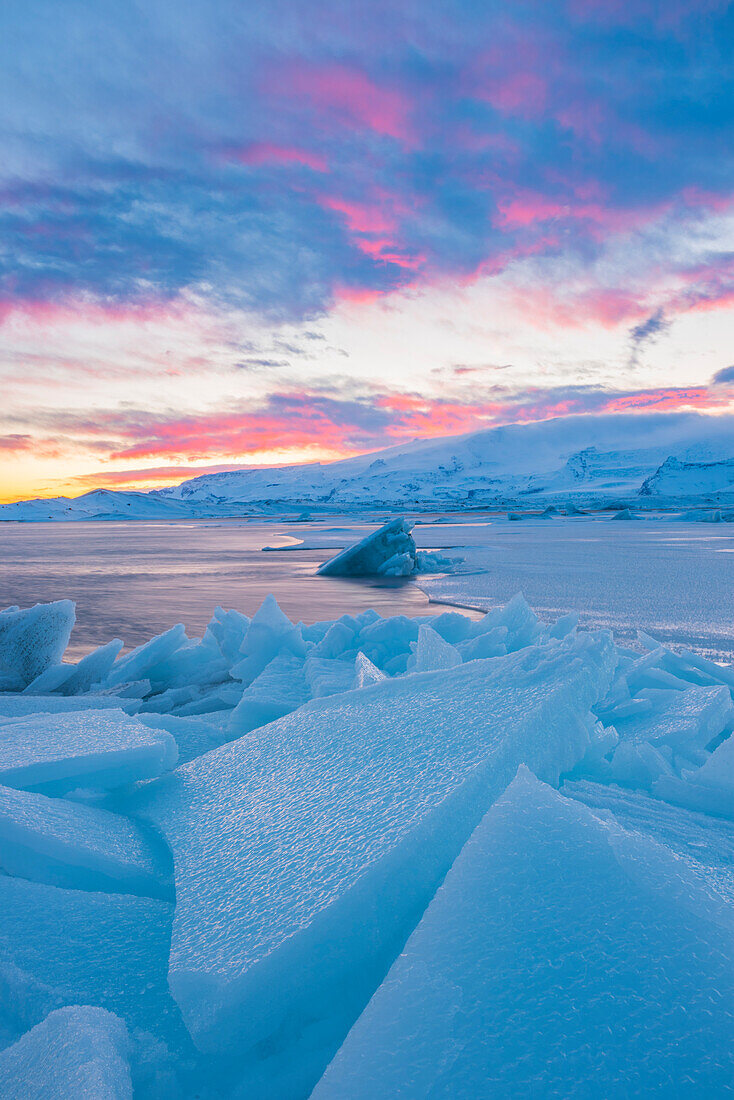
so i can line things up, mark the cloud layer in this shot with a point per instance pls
(279, 162)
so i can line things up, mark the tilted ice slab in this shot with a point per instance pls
(705, 843)
(137, 664)
(78, 1053)
(31, 640)
(680, 719)
(389, 551)
(74, 845)
(73, 679)
(431, 652)
(55, 753)
(109, 950)
(269, 634)
(709, 788)
(21, 706)
(280, 688)
(304, 856)
(563, 956)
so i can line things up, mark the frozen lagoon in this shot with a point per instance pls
(424, 856)
(672, 579)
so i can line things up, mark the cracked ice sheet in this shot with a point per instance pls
(304, 856)
(562, 956)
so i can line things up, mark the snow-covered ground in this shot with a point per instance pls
(656, 461)
(379, 855)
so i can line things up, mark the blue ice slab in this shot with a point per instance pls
(304, 856)
(563, 956)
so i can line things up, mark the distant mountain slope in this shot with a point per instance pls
(651, 459)
(587, 458)
(691, 479)
(98, 504)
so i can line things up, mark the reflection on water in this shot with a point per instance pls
(134, 580)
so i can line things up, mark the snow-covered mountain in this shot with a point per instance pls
(651, 460)
(98, 504)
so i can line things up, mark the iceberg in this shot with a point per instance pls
(56, 753)
(32, 640)
(390, 551)
(78, 1052)
(607, 971)
(304, 856)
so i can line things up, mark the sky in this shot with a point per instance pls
(272, 232)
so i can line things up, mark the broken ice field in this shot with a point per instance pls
(369, 857)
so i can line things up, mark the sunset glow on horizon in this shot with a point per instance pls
(236, 236)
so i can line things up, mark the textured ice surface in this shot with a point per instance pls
(680, 719)
(705, 843)
(328, 675)
(389, 551)
(271, 632)
(31, 640)
(109, 950)
(20, 706)
(365, 673)
(76, 1053)
(137, 664)
(304, 856)
(709, 788)
(563, 956)
(71, 844)
(55, 753)
(431, 652)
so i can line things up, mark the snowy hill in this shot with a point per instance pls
(99, 504)
(591, 459)
(691, 479)
(652, 460)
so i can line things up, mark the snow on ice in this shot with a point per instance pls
(404, 856)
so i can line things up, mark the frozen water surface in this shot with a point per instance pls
(657, 575)
(135, 580)
(332, 881)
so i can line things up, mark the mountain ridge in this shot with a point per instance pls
(648, 460)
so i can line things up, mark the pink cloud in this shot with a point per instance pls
(516, 93)
(360, 217)
(347, 96)
(41, 313)
(261, 154)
